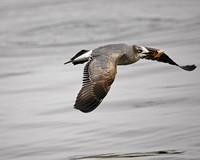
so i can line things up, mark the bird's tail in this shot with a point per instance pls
(80, 57)
(68, 62)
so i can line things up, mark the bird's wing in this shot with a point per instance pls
(99, 74)
(166, 59)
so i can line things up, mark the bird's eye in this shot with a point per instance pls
(139, 50)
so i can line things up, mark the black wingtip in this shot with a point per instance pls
(82, 110)
(189, 67)
(86, 109)
(88, 105)
(67, 62)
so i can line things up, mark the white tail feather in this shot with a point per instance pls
(83, 57)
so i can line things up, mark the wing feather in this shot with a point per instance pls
(98, 76)
(166, 59)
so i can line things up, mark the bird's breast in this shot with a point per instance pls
(127, 59)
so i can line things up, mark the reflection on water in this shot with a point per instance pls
(150, 107)
(129, 155)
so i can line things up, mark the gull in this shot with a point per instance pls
(101, 68)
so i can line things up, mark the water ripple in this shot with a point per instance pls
(129, 155)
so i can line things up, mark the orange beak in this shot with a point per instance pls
(158, 53)
(154, 53)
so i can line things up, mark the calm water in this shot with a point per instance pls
(152, 107)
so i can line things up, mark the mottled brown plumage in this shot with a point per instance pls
(100, 71)
(99, 74)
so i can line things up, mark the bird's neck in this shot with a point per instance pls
(128, 58)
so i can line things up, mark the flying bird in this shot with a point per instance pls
(101, 68)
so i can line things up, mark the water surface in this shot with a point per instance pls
(151, 107)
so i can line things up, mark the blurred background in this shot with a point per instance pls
(151, 106)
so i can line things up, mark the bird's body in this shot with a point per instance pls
(122, 51)
(101, 69)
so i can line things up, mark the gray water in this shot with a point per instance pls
(152, 110)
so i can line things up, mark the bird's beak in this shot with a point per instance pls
(153, 52)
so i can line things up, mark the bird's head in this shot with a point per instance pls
(145, 52)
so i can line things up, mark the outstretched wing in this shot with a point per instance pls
(99, 74)
(154, 55)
